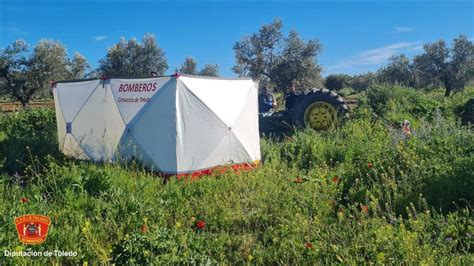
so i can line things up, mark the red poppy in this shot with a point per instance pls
(364, 208)
(298, 180)
(335, 179)
(200, 224)
(369, 165)
(144, 228)
(24, 200)
(309, 245)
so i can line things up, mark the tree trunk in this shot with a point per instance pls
(448, 85)
(24, 104)
(447, 92)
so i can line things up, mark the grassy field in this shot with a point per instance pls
(363, 192)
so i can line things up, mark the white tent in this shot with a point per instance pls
(173, 125)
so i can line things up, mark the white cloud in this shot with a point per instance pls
(403, 29)
(377, 56)
(99, 38)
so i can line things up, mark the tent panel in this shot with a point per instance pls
(228, 151)
(246, 126)
(154, 128)
(71, 148)
(72, 96)
(129, 149)
(224, 97)
(132, 94)
(238, 153)
(200, 131)
(60, 122)
(220, 154)
(98, 127)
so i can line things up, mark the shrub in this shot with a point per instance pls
(97, 181)
(394, 102)
(440, 156)
(135, 249)
(378, 97)
(30, 136)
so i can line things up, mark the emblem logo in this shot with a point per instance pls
(32, 229)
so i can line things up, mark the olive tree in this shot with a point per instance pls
(24, 73)
(336, 81)
(398, 71)
(452, 68)
(209, 70)
(269, 55)
(133, 59)
(189, 66)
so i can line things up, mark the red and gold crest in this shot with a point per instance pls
(32, 228)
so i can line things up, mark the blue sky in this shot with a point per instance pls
(357, 36)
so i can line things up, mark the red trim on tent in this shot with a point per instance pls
(176, 75)
(218, 169)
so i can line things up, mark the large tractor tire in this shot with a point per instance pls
(319, 109)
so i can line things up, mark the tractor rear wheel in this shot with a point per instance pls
(319, 109)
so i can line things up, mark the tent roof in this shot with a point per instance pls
(145, 77)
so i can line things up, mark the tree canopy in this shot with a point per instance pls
(190, 67)
(133, 59)
(437, 66)
(398, 71)
(24, 73)
(268, 54)
(337, 81)
(451, 67)
(209, 70)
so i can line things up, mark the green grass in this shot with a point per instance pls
(360, 193)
